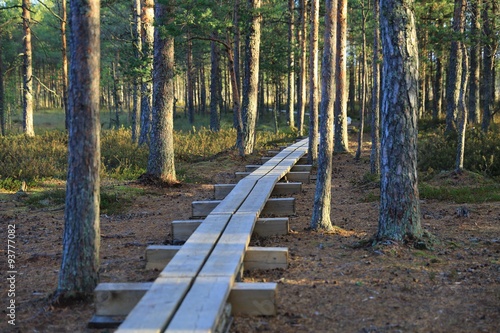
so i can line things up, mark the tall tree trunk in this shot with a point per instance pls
(454, 67)
(237, 120)
(438, 88)
(203, 90)
(27, 72)
(190, 79)
(291, 64)
(161, 164)
(313, 84)
(322, 198)
(352, 87)
(362, 83)
(64, 62)
(2, 98)
(78, 275)
(136, 103)
(302, 41)
(475, 59)
(251, 80)
(399, 217)
(462, 111)
(375, 114)
(147, 34)
(214, 85)
(489, 50)
(340, 119)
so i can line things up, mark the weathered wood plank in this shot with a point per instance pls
(101, 322)
(276, 206)
(266, 258)
(254, 299)
(182, 229)
(279, 207)
(302, 160)
(303, 177)
(118, 299)
(158, 256)
(156, 307)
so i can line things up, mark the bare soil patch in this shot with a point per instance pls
(331, 285)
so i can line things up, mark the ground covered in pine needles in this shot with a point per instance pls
(334, 282)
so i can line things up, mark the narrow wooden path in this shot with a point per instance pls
(192, 291)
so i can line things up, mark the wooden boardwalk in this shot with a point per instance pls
(192, 291)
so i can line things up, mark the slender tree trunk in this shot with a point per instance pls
(313, 84)
(237, 120)
(302, 41)
(399, 217)
(438, 89)
(203, 90)
(341, 136)
(362, 83)
(291, 64)
(462, 109)
(147, 34)
(2, 98)
(64, 62)
(190, 79)
(322, 198)
(78, 275)
(454, 67)
(489, 50)
(475, 59)
(375, 114)
(27, 72)
(136, 103)
(214, 86)
(161, 164)
(352, 87)
(251, 80)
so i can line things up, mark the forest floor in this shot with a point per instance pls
(331, 285)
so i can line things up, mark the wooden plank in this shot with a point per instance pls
(190, 258)
(236, 197)
(279, 207)
(302, 168)
(158, 256)
(156, 307)
(182, 229)
(203, 306)
(118, 299)
(263, 228)
(254, 299)
(101, 322)
(302, 160)
(266, 258)
(203, 207)
(256, 200)
(252, 167)
(228, 254)
(271, 226)
(303, 177)
(221, 190)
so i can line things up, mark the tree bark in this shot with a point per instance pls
(2, 98)
(438, 88)
(214, 86)
(64, 62)
(251, 80)
(454, 67)
(475, 59)
(362, 83)
(147, 35)
(322, 198)
(235, 67)
(27, 72)
(78, 275)
(375, 114)
(190, 79)
(399, 217)
(462, 111)
(340, 118)
(301, 93)
(161, 164)
(489, 50)
(291, 64)
(136, 103)
(313, 84)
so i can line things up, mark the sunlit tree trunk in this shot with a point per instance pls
(399, 216)
(438, 88)
(454, 74)
(301, 93)
(161, 164)
(291, 63)
(362, 82)
(78, 275)
(190, 79)
(475, 60)
(147, 36)
(341, 136)
(27, 72)
(63, 22)
(375, 114)
(251, 80)
(136, 103)
(322, 198)
(462, 111)
(313, 84)
(235, 67)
